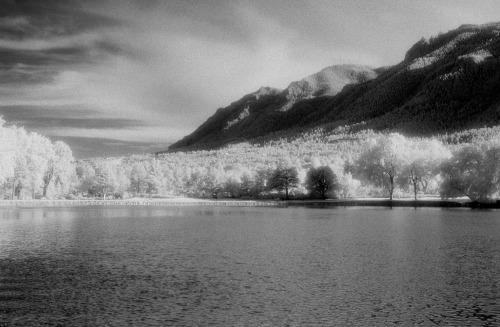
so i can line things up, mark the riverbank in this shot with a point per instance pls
(182, 201)
(420, 203)
(140, 202)
(378, 203)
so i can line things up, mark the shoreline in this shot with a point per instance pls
(173, 202)
(185, 202)
(379, 203)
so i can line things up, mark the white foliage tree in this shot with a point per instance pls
(382, 162)
(421, 162)
(473, 171)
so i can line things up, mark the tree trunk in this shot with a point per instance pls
(286, 192)
(46, 181)
(18, 190)
(391, 190)
(13, 188)
(414, 181)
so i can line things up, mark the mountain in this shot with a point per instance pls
(447, 83)
(328, 82)
(260, 112)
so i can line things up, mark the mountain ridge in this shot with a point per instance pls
(327, 82)
(447, 83)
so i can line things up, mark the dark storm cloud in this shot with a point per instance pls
(42, 118)
(55, 33)
(60, 56)
(21, 19)
(63, 56)
(22, 75)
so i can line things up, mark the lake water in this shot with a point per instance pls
(222, 266)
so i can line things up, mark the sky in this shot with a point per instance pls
(115, 77)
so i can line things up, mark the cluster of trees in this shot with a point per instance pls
(32, 166)
(477, 135)
(336, 163)
(366, 164)
(391, 161)
(240, 170)
(473, 171)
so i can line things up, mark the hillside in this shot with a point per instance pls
(259, 113)
(447, 83)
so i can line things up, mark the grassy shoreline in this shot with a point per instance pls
(139, 202)
(377, 203)
(424, 203)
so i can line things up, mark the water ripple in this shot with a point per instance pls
(248, 267)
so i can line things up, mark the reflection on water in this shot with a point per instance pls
(142, 266)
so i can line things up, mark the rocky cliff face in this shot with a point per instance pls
(447, 83)
(328, 82)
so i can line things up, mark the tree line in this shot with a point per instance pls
(336, 164)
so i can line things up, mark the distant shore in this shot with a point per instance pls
(140, 202)
(407, 202)
(182, 201)
(378, 203)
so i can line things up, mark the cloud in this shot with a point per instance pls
(16, 23)
(152, 71)
(19, 75)
(185, 71)
(147, 134)
(79, 40)
(43, 118)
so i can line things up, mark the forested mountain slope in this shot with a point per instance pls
(447, 83)
(260, 113)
